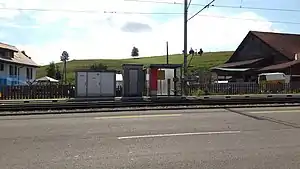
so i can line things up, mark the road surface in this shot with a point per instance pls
(232, 138)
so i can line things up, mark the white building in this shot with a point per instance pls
(15, 66)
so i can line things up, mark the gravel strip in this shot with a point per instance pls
(18, 113)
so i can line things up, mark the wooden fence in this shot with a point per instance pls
(37, 92)
(68, 91)
(244, 88)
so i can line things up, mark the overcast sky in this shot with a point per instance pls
(45, 34)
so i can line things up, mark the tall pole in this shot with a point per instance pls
(65, 70)
(185, 47)
(64, 57)
(167, 46)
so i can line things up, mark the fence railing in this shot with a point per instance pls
(37, 92)
(243, 88)
(68, 91)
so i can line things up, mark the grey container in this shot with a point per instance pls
(95, 83)
(133, 80)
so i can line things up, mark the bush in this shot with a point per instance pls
(199, 92)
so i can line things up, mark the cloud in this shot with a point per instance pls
(136, 27)
(98, 35)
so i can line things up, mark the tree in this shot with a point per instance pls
(135, 52)
(99, 66)
(51, 70)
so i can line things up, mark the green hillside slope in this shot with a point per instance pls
(205, 61)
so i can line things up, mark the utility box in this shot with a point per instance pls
(133, 80)
(92, 83)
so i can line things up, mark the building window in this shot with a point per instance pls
(16, 71)
(2, 53)
(11, 70)
(29, 73)
(10, 54)
(1, 67)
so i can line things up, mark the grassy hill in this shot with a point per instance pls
(206, 61)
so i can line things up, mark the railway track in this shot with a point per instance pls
(119, 104)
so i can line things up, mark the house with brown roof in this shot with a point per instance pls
(263, 52)
(16, 67)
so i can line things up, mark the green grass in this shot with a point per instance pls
(206, 61)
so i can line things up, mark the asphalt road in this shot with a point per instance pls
(236, 138)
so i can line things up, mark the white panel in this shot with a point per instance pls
(163, 84)
(94, 84)
(108, 84)
(119, 77)
(170, 75)
(159, 87)
(133, 81)
(81, 84)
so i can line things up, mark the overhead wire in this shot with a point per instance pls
(90, 11)
(224, 6)
(250, 19)
(189, 4)
(150, 1)
(219, 6)
(142, 13)
(206, 6)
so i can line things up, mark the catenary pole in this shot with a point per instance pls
(185, 48)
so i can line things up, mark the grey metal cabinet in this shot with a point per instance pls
(133, 81)
(95, 84)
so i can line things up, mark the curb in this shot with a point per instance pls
(205, 97)
(145, 109)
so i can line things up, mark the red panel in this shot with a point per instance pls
(153, 79)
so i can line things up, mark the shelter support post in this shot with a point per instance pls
(169, 86)
(175, 80)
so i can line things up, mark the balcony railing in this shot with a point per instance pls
(13, 80)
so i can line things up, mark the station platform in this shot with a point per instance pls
(153, 98)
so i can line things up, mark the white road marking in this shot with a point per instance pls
(138, 116)
(179, 134)
(275, 111)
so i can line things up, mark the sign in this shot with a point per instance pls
(161, 75)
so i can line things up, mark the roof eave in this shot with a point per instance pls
(31, 65)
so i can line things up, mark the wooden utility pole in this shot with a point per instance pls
(64, 58)
(167, 46)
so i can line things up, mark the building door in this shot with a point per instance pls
(94, 84)
(81, 84)
(108, 86)
(133, 82)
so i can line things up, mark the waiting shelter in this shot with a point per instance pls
(164, 80)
